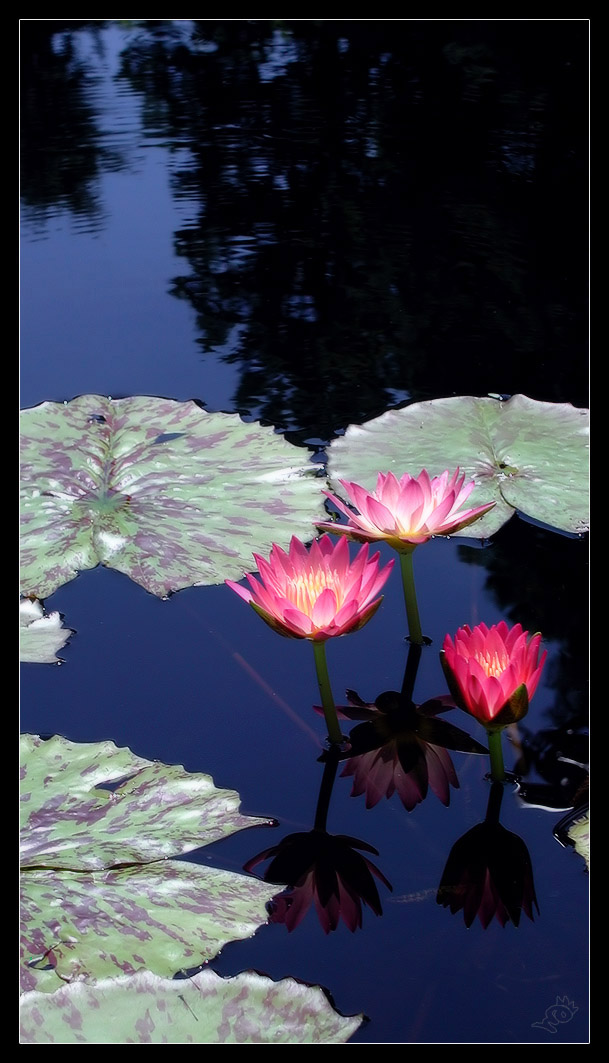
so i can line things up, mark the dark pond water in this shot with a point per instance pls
(310, 223)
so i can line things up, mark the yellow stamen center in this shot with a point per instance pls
(493, 663)
(306, 589)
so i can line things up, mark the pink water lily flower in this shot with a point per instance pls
(408, 511)
(315, 593)
(492, 673)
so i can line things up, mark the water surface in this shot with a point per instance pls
(310, 223)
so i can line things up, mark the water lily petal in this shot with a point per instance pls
(441, 773)
(493, 672)
(408, 511)
(316, 592)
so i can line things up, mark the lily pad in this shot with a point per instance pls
(99, 895)
(527, 456)
(579, 834)
(160, 490)
(88, 806)
(166, 916)
(204, 1009)
(41, 636)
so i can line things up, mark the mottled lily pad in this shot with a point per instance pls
(99, 896)
(88, 806)
(204, 1009)
(160, 490)
(527, 456)
(166, 916)
(579, 834)
(41, 636)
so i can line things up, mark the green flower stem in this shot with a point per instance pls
(334, 733)
(496, 752)
(410, 597)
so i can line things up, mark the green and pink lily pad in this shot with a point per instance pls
(108, 920)
(41, 635)
(579, 834)
(527, 456)
(160, 490)
(101, 895)
(204, 1009)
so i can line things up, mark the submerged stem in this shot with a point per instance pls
(494, 803)
(410, 674)
(327, 701)
(325, 790)
(410, 597)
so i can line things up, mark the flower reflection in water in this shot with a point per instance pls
(325, 870)
(489, 872)
(403, 748)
